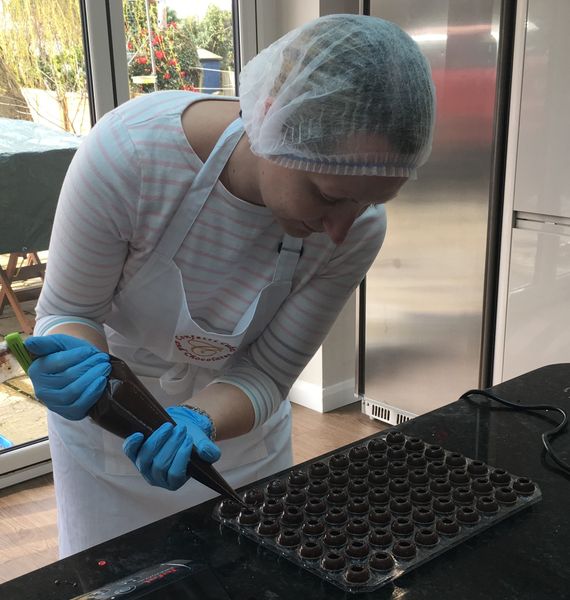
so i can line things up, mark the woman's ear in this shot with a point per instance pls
(267, 104)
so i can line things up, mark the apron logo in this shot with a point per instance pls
(203, 349)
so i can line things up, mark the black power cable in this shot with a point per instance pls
(546, 436)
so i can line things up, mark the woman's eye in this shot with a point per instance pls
(335, 200)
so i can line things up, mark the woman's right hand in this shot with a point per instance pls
(164, 456)
(69, 374)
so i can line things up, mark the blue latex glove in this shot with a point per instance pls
(163, 457)
(69, 374)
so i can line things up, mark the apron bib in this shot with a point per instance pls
(139, 313)
(150, 323)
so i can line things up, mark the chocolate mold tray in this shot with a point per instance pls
(362, 517)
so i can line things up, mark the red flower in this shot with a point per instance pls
(182, 73)
(142, 60)
(167, 76)
(156, 40)
(159, 54)
(130, 45)
(172, 61)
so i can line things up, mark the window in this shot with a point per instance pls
(44, 106)
(180, 45)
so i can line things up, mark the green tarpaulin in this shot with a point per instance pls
(33, 163)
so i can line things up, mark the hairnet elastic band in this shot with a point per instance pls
(343, 168)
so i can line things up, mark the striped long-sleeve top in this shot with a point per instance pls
(124, 184)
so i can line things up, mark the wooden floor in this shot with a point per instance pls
(28, 536)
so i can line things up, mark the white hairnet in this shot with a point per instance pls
(307, 99)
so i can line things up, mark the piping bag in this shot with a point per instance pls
(124, 408)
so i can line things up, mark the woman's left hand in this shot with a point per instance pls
(163, 458)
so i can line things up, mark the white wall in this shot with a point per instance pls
(275, 18)
(331, 7)
(328, 381)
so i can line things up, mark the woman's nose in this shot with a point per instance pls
(338, 222)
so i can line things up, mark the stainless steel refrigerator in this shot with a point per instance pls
(429, 297)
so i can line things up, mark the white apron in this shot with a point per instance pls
(100, 494)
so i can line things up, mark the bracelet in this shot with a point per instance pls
(200, 411)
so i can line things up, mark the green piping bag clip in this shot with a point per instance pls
(16, 346)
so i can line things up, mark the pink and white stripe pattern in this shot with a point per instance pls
(124, 184)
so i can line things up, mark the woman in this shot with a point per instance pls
(215, 261)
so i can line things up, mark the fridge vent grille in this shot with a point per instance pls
(385, 412)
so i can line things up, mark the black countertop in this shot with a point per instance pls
(523, 557)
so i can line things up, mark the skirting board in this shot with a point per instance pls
(313, 396)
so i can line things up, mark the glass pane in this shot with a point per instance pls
(43, 109)
(42, 64)
(180, 45)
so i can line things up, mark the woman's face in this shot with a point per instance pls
(304, 203)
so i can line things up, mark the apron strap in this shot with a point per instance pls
(201, 188)
(290, 251)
